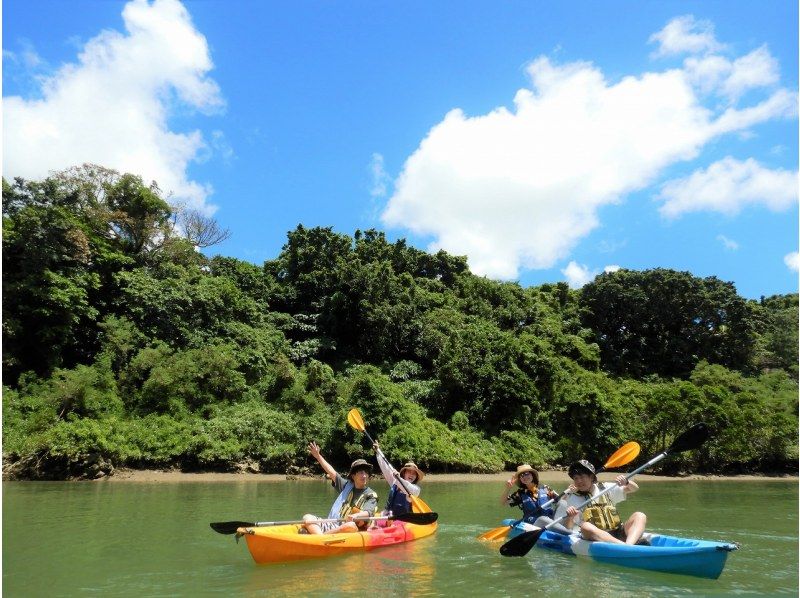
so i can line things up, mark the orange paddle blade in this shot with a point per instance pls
(355, 420)
(418, 505)
(498, 533)
(624, 455)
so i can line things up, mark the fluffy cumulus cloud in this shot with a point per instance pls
(578, 275)
(792, 261)
(519, 188)
(727, 186)
(112, 105)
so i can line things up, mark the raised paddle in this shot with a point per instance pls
(357, 422)
(622, 456)
(230, 527)
(690, 439)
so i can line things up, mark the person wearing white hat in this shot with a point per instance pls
(529, 496)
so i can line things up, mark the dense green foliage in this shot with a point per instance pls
(124, 345)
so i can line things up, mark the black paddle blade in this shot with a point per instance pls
(417, 518)
(522, 544)
(692, 438)
(230, 527)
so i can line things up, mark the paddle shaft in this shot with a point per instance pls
(560, 496)
(298, 521)
(397, 475)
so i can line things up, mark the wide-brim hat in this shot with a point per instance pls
(412, 466)
(522, 469)
(582, 465)
(359, 464)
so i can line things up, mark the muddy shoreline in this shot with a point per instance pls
(547, 476)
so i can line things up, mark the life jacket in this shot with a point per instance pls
(350, 506)
(398, 503)
(602, 513)
(530, 505)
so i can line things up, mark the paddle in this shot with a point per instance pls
(622, 456)
(357, 422)
(688, 440)
(230, 527)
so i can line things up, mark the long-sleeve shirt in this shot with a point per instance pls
(389, 475)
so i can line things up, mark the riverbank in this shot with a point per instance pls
(551, 476)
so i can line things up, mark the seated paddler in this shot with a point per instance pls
(402, 484)
(598, 520)
(356, 499)
(529, 495)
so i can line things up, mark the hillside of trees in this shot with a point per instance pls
(123, 345)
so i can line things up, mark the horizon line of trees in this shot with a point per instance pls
(124, 345)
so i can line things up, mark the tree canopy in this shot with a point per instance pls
(125, 345)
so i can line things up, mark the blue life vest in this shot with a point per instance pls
(530, 505)
(398, 502)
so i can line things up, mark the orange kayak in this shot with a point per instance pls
(284, 543)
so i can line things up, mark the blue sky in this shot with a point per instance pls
(547, 141)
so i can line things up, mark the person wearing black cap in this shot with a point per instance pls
(355, 500)
(599, 520)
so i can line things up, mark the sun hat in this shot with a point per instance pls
(582, 465)
(522, 469)
(357, 465)
(412, 466)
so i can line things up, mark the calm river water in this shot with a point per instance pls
(153, 539)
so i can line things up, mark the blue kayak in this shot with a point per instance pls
(669, 554)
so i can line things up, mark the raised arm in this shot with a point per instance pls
(313, 448)
(506, 491)
(386, 468)
(391, 475)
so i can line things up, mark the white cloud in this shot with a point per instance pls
(757, 69)
(727, 186)
(792, 261)
(521, 187)
(727, 243)
(611, 268)
(578, 275)
(111, 106)
(685, 35)
(380, 177)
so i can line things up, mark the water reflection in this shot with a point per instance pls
(404, 569)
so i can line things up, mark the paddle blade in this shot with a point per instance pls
(495, 534)
(624, 455)
(522, 544)
(417, 518)
(418, 505)
(230, 527)
(692, 438)
(355, 420)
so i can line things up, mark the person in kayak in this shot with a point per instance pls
(599, 520)
(355, 499)
(529, 496)
(399, 502)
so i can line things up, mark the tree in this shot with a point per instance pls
(663, 322)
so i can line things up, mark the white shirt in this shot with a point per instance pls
(388, 474)
(616, 494)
